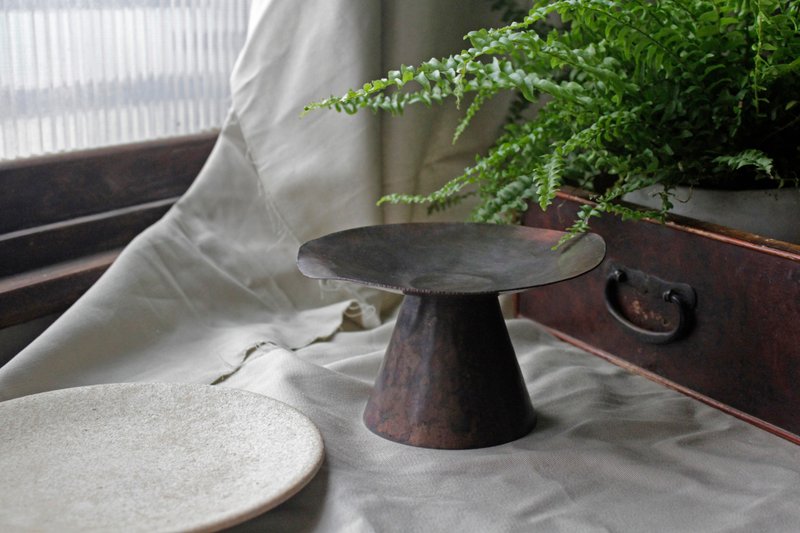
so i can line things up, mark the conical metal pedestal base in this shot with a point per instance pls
(450, 378)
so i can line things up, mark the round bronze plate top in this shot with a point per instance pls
(451, 258)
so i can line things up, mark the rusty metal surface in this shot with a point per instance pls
(743, 349)
(450, 378)
(449, 258)
(651, 293)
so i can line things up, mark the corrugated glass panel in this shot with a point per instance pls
(78, 74)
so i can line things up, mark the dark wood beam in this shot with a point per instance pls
(33, 248)
(51, 289)
(55, 188)
(64, 218)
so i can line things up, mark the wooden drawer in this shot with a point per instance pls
(741, 341)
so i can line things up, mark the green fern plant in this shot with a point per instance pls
(633, 93)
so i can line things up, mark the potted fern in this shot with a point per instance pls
(632, 96)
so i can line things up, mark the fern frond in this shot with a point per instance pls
(631, 93)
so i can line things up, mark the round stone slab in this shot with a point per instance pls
(149, 457)
(450, 258)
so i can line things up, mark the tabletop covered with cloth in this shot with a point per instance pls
(211, 294)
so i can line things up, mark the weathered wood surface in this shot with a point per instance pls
(743, 347)
(60, 187)
(63, 218)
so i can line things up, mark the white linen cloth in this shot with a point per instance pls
(211, 294)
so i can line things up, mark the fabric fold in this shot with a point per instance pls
(214, 276)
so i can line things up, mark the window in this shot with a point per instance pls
(108, 110)
(78, 74)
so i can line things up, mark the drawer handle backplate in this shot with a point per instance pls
(680, 294)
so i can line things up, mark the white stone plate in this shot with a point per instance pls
(149, 457)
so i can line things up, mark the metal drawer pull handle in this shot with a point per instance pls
(681, 295)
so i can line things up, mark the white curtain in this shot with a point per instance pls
(78, 74)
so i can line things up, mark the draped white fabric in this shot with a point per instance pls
(211, 294)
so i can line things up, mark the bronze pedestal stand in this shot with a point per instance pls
(450, 377)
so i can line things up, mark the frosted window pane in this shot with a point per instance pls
(77, 74)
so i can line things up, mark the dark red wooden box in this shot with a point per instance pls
(739, 344)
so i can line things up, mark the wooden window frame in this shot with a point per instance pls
(64, 218)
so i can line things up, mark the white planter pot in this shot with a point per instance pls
(772, 213)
